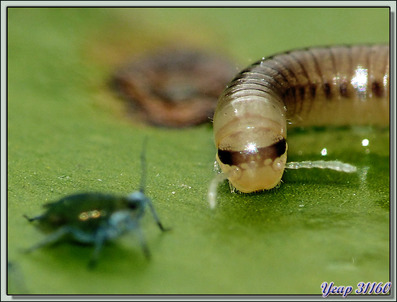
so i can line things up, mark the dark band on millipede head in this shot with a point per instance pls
(313, 91)
(327, 90)
(233, 158)
(343, 89)
(376, 89)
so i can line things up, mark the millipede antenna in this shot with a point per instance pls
(335, 165)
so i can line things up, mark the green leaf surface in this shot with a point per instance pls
(68, 133)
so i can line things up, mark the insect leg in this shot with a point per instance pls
(33, 218)
(52, 238)
(155, 216)
(142, 241)
(100, 238)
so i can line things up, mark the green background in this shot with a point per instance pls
(67, 133)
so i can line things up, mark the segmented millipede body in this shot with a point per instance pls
(338, 85)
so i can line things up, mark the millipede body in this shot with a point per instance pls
(339, 85)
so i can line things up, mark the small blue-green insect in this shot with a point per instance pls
(94, 218)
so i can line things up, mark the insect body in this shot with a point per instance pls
(94, 218)
(341, 85)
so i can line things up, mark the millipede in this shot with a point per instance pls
(318, 86)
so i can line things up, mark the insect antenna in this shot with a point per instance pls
(142, 189)
(143, 166)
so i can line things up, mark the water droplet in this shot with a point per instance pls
(365, 142)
